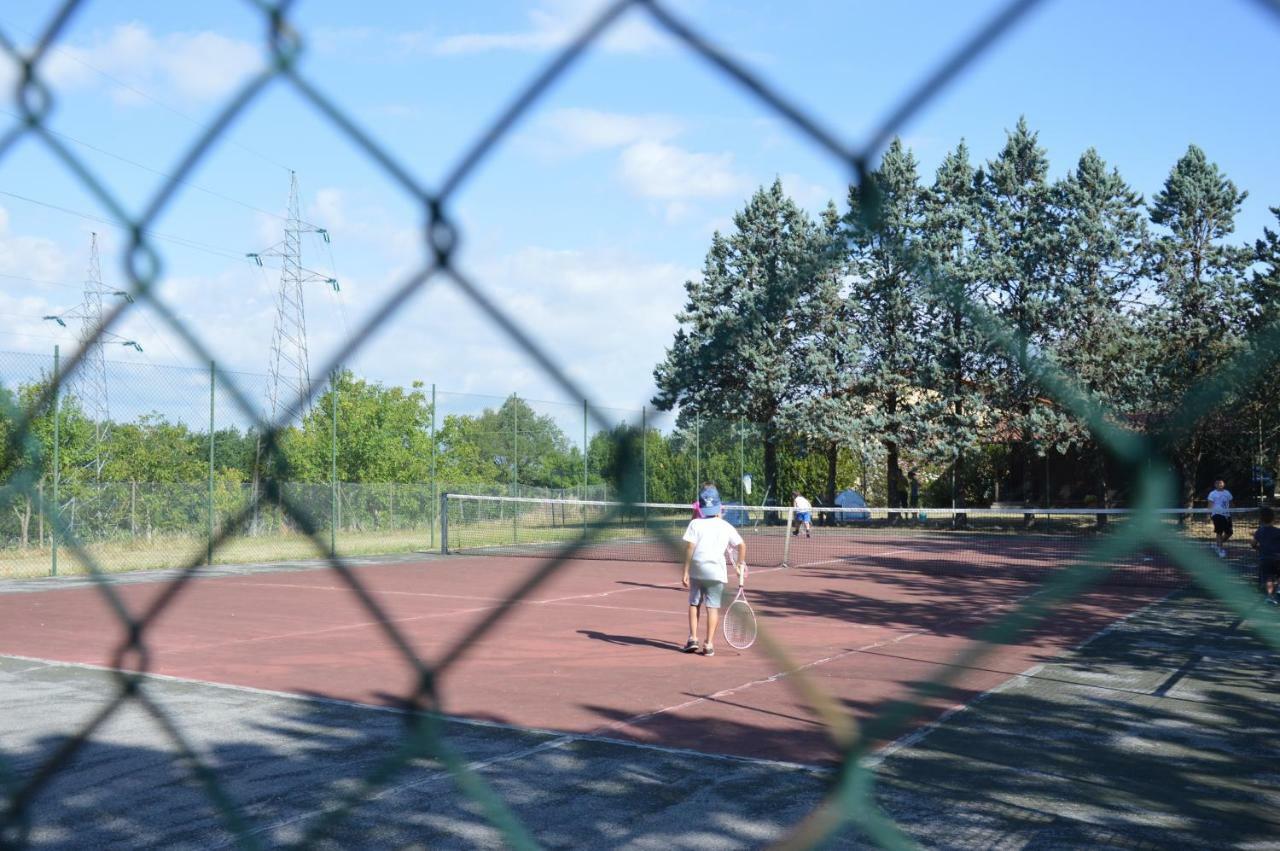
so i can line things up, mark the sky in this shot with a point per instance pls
(587, 219)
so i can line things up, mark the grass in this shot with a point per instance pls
(179, 551)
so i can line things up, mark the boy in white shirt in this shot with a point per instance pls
(708, 538)
(1220, 512)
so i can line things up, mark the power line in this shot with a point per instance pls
(148, 168)
(177, 240)
(204, 127)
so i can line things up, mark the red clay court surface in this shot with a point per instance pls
(593, 651)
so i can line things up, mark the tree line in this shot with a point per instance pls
(150, 475)
(992, 316)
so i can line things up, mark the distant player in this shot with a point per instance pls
(1220, 512)
(804, 514)
(705, 572)
(1267, 542)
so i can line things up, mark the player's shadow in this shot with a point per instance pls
(629, 640)
(667, 587)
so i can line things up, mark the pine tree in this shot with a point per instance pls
(1098, 341)
(882, 229)
(1264, 336)
(739, 350)
(830, 416)
(1264, 287)
(956, 354)
(1200, 320)
(1017, 247)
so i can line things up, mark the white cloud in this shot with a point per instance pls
(605, 316)
(30, 256)
(658, 170)
(327, 209)
(578, 130)
(184, 65)
(810, 195)
(553, 24)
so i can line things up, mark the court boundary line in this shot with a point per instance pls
(914, 737)
(560, 737)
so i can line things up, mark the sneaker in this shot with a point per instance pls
(708, 651)
(1272, 601)
(690, 646)
(1221, 552)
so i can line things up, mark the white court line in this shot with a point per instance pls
(558, 739)
(429, 616)
(674, 586)
(854, 559)
(783, 674)
(347, 589)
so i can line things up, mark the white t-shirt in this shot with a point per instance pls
(802, 504)
(710, 537)
(1219, 502)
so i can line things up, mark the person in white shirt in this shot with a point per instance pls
(705, 574)
(804, 515)
(1220, 512)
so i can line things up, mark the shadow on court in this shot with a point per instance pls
(285, 762)
(1159, 733)
(631, 640)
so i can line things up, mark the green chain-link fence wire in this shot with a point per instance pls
(851, 799)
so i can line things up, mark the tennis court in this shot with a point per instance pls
(590, 659)
(593, 651)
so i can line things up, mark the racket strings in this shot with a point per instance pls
(740, 625)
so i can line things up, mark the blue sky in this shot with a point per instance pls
(588, 219)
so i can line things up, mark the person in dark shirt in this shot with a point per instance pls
(1267, 542)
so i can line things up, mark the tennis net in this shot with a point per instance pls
(1021, 543)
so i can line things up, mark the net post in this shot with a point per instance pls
(644, 466)
(444, 523)
(786, 538)
(53, 531)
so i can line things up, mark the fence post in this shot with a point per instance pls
(515, 446)
(213, 374)
(333, 467)
(644, 454)
(435, 496)
(53, 526)
(742, 464)
(584, 448)
(697, 452)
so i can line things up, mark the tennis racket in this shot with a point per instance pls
(740, 622)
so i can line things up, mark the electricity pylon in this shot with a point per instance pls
(91, 381)
(289, 372)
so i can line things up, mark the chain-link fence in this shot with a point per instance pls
(86, 518)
